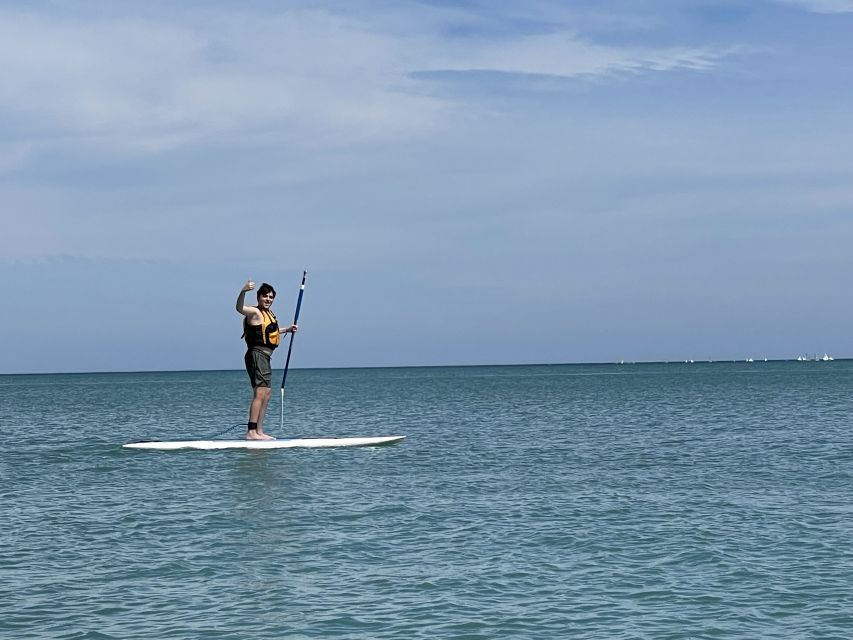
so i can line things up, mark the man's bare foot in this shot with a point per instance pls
(254, 435)
(265, 436)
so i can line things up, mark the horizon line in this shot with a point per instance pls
(434, 366)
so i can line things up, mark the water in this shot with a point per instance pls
(635, 501)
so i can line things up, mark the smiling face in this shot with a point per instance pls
(265, 300)
(266, 295)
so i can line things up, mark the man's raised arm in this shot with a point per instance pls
(241, 305)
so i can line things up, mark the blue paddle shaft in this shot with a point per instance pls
(293, 335)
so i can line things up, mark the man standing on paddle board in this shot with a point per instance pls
(262, 334)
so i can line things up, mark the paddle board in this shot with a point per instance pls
(288, 443)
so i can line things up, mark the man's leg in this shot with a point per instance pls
(260, 373)
(260, 400)
(265, 400)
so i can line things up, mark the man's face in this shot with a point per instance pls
(266, 299)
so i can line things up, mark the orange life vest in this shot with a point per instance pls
(265, 334)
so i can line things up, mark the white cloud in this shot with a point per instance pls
(149, 84)
(302, 77)
(823, 6)
(567, 55)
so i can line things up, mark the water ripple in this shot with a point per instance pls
(527, 502)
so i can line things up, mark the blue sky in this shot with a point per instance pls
(465, 182)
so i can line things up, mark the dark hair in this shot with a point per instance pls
(264, 289)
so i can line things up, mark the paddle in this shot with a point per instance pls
(289, 349)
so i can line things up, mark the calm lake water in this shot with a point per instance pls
(573, 501)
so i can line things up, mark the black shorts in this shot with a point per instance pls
(258, 367)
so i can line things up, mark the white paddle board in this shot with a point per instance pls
(288, 443)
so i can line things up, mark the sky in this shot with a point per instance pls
(500, 182)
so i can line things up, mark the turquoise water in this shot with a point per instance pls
(601, 501)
